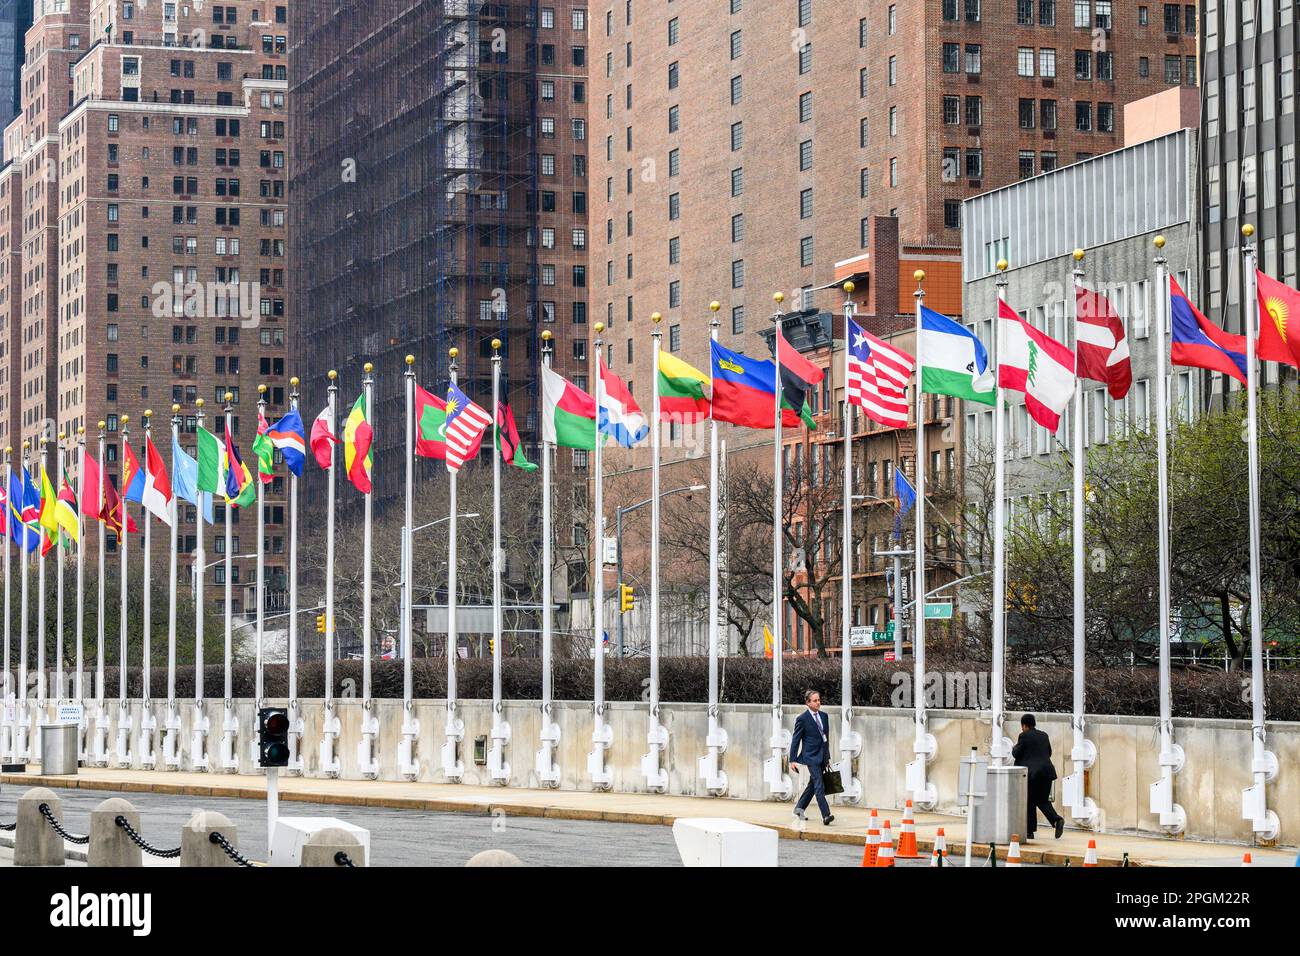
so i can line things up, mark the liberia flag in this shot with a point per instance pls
(1100, 345)
(877, 377)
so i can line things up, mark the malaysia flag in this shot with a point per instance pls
(877, 377)
(1100, 344)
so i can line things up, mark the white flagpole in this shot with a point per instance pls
(260, 585)
(602, 736)
(99, 752)
(999, 751)
(172, 726)
(1263, 764)
(40, 716)
(125, 720)
(147, 723)
(408, 765)
(59, 689)
(924, 794)
(329, 760)
(710, 770)
(366, 760)
(1171, 815)
(548, 772)
(295, 708)
(657, 734)
(850, 740)
(21, 748)
(6, 724)
(453, 768)
(778, 781)
(229, 720)
(79, 693)
(498, 766)
(199, 726)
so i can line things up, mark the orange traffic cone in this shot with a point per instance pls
(1245, 860)
(886, 856)
(941, 842)
(1013, 851)
(936, 859)
(907, 839)
(886, 834)
(1090, 858)
(872, 846)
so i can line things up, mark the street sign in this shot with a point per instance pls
(889, 656)
(69, 714)
(861, 636)
(611, 550)
(938, 611)
(889, 630)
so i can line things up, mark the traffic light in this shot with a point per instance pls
(626, 598)
(320, 623)
(492, 647)
(273, 737)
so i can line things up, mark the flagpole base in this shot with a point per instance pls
(296, 731)
(408, 746)
(548, 771)
(498, 766)
(601, 738)
(229, 733)
(367, 763)
(125, 724)
(148, 727)
(329, 761)
(199, 739)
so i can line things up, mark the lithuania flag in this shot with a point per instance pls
(357, 435)
(430, 419)
(682, 390)
(568, 413)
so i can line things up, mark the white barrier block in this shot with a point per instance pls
(292, 832)
(718, 841)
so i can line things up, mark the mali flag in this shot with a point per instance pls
(357, 435)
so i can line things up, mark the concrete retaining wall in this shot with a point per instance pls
(1209, 787)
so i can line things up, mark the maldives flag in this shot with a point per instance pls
(1279, 321)
(323, 438)
(1100, 343)
(157, 494)
(430, 420)
(1037, 365)
(1199, 343)
(568, 413)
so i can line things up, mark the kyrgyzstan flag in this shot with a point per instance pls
(1100, 342)
(1037, 365)
(1279, 321)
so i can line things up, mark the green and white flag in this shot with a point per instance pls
(211, 456)
(952, 361)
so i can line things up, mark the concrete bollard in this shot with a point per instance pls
(494, 858)
(35, 842)
(197, 848)
(109, 843)
(323, 845)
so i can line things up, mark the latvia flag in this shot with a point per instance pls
(1100, 344)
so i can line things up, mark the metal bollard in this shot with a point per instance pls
(494, 858)
(109, 843)
(324, 845)
(197, 848)
(35, 842)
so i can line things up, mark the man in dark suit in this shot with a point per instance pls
(810, 745)
(1034, 750)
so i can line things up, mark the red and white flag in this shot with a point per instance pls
(878, 375)
(1100, 343)
(323, 438)
(157, 495)
(1036, 364)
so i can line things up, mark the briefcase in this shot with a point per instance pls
(831, 781)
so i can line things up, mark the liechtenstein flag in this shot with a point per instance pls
(744, 389)
(1199, 343)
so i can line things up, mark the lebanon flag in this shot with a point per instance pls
(323, 438)
(1279, 321)
(1100, 343)
(157, 494)
(1037, 365)
(568, 413)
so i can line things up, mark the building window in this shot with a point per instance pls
(951, 214)
(1047, 13)
(974, 111)
(736, 90)
(805, 59)
(972, 58)
(893, 71)
(737, 135)
(737, 181)
(806, 203)
(738, 227)
(1083, 116)
(893, 171)
(805, 155)
(805, 12)
(1106, 117)
(737, 319)
(1026, 162)
(672, 75)
(1082, 14)
(1025, 12)
(806, 251)
(1105, 66)
(1144, 67)
(1047, 162)
(674, 29)
(1173, 18)
(674, 206)
(974, 163)
(1047, 114)
(735, 45)
(864, 181)
(738, 274)
(951, 110)
(1173, 70)
(1026, 114)
(1083, 64)
(805, 107)
(1101, 14)
(1047, 62)
(1025, 61)
(951, 57)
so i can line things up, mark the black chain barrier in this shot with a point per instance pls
(7, 827)
(48, 814)
(231, 852)
(342, 859)
(141, 843)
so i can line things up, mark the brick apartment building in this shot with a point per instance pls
(143, 216)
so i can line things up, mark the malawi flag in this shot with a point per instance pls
(508, 440)
(113, 509)
(357, 436)
(430, 419)
(1279, 321)
(683, 390)
(568, 413)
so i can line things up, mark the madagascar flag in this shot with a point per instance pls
(1279, 321)
(430, 418)
(357, 436)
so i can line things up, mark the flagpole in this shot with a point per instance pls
(366, 760)
(999, 751)
(6, 724)
(850, 740)
(498, 766)
(295, 708)
(1263, 764)
(81, 589)
(329, 760)
(657, 734)
(40, 715)
(260, 587)
(924, 794)
(147, 723)
(406, 751)
(171, 738)
(200, 725)
(59, 695)
(602, 736)
(778, 781)
(21, 753)
(124, 718)
(229, 720)
(454, 728)
(548, 772)
(99, 753)
(1171, 757)
(715, 778)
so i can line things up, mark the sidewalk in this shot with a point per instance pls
(849, 826)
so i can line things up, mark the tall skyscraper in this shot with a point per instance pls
(15, 19)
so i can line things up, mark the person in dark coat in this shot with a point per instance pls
(810, 745)
(1034, 751)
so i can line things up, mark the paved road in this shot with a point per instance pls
(417, 838)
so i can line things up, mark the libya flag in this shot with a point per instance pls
(568, 413)
(953, 361)
(430, 420)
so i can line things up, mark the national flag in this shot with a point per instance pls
(1036, 364)
(18, 528)
(430, 417)
(90, 506)
(113, 509)
(769, 642)
(48, 502)
(1279, 321)
(620, 416)
(240, 490)
(4, 510)
(289, 436)
(157, 496)
(794, 400)
(906, 499)
(65, 511)
(211, 458)
(31, 500)
(682, 390)
(357, 436)
(464, 427)
(744, 389)
(512, 453)
(953, 361)
(323, 438)
(878, 376)
(1101, 348)
(790, 358)
(132, 475)
(185, 480)
(568, 413)
(264, 450)
(1199, 343)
